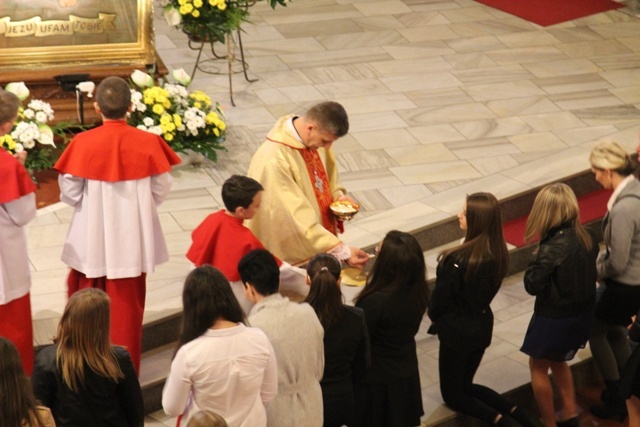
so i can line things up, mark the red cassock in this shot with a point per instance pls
(222, 240)
(17, 206)
(115, 176)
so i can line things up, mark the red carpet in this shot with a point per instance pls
(549, 12)
(593, 206)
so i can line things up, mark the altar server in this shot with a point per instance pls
(17, 208)
(115, 176)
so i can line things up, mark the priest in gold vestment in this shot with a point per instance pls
(298, 171)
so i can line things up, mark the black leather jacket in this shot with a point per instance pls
(100, 403)
(563, 276)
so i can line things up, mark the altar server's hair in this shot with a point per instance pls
(259, 268)
(206, 296)
(9, 105)
(239, 191)
(330, 117)
(113, 97)
(83, 339)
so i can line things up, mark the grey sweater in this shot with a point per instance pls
(621, 260)
(297, 339)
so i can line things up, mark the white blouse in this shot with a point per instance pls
(232, 372)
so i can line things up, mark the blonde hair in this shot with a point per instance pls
(609, 155)
(83, 339)
(555, 204)
(206, 419)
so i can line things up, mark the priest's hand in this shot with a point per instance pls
(358, 258)
(21, 156)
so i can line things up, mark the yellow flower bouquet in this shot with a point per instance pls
(186, 120)
(209, 20)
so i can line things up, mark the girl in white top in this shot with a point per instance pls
(221, 365)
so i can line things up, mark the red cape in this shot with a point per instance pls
(15, 181)
(116, 151)
(221, 240)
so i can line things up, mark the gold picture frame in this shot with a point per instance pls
(66, 33)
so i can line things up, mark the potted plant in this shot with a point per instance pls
(188, 121)
(209, 20)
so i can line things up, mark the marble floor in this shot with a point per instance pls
(445, 98)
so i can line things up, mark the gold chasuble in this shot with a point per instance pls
(294, 221)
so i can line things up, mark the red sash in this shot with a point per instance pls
(321, 189)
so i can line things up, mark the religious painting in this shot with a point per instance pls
(75, 32)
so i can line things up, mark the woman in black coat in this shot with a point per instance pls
(346, 341)
(468, 277)
(563, 279)
(83, 379)
(394, 300)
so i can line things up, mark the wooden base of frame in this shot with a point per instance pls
(43, 86)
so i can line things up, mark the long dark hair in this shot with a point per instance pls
(18, 403)
(399, 266)
(206, 297)
(83, 339)
(484, 241)
(325, 296)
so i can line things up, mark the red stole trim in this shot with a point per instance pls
(321, 188)
(15, 181)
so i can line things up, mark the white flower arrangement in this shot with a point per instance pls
(186, 120)
(31, 131)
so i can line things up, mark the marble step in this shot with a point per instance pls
(159, 336)
(154, 368)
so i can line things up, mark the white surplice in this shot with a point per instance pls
(15, 278)
(116, 232)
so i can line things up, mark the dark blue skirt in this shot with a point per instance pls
(554, 339)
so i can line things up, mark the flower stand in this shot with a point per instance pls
(232, 43)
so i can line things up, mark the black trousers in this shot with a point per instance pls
(457, 369)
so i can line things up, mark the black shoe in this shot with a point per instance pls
(525, 417)
(571, 422)
(610, 412)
